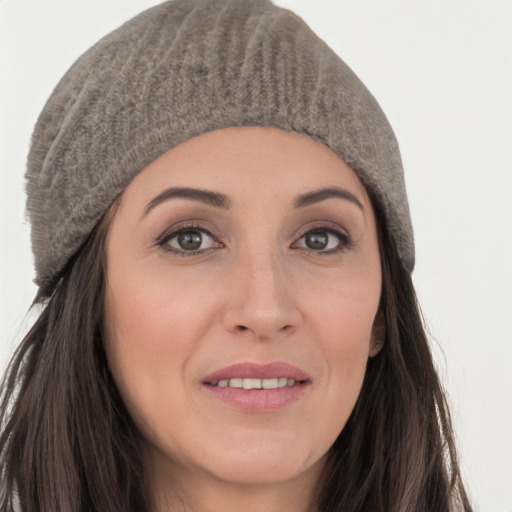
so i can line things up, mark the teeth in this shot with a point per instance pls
(236, 383)
(270, 383)
(277, 382)
(251, 384)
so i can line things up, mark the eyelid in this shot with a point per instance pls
(175, 230)
(345, 240)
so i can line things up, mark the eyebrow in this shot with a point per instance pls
(194, 194)
(326, 193)
(219, 200)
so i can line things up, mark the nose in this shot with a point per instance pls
(261, 299)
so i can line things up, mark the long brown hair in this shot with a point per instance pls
(397, 451)
(68, 444)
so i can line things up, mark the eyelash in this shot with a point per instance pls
(345, 242)
(163, 240)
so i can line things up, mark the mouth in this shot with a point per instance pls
(257, 376)
(250, 383)
(258, 388)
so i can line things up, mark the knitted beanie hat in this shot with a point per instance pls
(179, 70)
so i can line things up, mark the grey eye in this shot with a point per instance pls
(326, 240)
(316, 240)
(189, 240)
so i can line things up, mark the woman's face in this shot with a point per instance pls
(243, 257)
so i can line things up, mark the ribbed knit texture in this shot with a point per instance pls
(179, 70)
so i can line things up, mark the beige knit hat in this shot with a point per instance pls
(181, 69)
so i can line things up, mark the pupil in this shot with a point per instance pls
(190, 240)
(317, 240)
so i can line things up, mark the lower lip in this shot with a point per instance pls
(258, 400)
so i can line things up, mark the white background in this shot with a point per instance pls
(442, 71)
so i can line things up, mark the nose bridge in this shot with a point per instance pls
(265, 278)
(262, 299)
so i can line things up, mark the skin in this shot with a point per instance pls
(253, 292)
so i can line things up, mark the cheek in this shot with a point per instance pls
(343, 319)
(152, 329)
(344, 311)
(155, 313)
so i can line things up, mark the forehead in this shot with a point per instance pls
(246, 163)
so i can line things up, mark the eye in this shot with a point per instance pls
(188, 241)
(323, 240)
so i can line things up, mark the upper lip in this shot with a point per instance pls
(257, 371)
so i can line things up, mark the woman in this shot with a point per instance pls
(223, 248)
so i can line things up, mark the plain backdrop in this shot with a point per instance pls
(442, 71)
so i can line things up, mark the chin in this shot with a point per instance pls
(262, 464)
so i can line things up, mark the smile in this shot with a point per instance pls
(257, 388)
(274, 383)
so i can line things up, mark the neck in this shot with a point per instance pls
(198, 491)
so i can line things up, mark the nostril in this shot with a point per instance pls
(284, 328)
